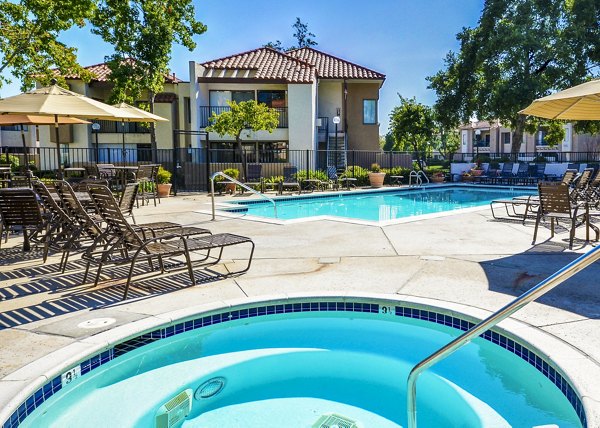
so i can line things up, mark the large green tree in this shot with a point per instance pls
(304, 38)
(29, 39)
(413, 127)
(520, 50)
(243, 116)
(142, 34)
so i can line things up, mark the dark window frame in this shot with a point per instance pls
(376, 118)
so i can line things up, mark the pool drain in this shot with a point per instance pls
(334, 421)
(210, 388)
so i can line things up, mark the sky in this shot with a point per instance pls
(405, 40)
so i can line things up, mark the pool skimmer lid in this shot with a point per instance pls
(210, 388)
(97, 323)
(334, 421)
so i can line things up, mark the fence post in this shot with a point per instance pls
(207, 160)
(175, 162)
(308, 164)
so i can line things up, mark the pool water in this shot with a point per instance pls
(291, 369)
(382, 206)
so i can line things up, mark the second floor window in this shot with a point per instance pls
(505, 137)
(369, 112)
(220, 98)
(274, 99)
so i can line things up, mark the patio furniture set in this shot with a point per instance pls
(90, 220)
(573, 200)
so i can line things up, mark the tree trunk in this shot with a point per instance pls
(242, 154)
(517, 137)
(418, 155)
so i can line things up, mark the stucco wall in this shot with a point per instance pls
(361, 136)
(330, 99)
(301, 116)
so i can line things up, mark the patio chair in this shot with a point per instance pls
(19, 208)
(128, 246)
(506, 173)
(290, 179)
(254, 176)
(64, 233)
(528, 203)
(579, 192)
(146, 176)
(332, 176)
(556, 204)
(90, 223)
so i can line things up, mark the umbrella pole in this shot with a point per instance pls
(56, 133)
(123, 152)
(25, 153)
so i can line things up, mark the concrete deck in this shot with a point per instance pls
(469, 259)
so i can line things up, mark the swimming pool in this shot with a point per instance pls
(378, 206)
(300, 362)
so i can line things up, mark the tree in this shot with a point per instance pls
(29, 45)
(412, 125)
(142, 33)
(246, 115)
(301, 34)
(520, 50)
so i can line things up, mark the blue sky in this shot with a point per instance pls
(405, 40)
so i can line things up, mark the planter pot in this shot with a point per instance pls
(376, 179)
(437, 179)
(477, 172)
(230, 188)
(467, 178)
(163, 190)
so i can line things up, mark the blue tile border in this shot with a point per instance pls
(328, 305)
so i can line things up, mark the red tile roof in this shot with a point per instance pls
(331, 67)
(296, 66)
(265, 63)
(101, 73)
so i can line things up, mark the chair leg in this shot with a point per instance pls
(189, 267)
(535, 230)
(98, 275)
(87, 269)
(129, 279)
(572, 233)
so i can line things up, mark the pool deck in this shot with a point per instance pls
(468, 259)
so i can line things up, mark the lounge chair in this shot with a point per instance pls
(146, 176)
(579, 192)
(290, 179)
(506, 173)
(254, 177)
(528, 203)
(332, 176)
(556, 204)
(20, 208)
(128, 246)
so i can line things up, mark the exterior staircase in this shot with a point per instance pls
(336, 151)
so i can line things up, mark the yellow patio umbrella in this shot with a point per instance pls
(59, 102)
(138, 115)
(580, 102)
(30, 119)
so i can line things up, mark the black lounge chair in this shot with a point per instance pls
(254, 177)
(290, 179)
(19, 208)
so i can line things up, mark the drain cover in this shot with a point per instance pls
(210, 388)
(97, 323)
(334, 421)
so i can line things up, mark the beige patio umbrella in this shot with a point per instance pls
(580, 102)
(140, 116)
(30, 119)
(59, 102)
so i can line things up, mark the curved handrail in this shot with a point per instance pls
(424, 175)
(233, 180)
(539, 290)
(418, 180)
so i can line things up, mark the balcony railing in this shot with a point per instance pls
(206, 114)
(112, 127)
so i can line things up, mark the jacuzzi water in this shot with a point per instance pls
(287, 370)
(382, 206)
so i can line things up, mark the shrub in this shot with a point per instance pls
(397, 171)
(375, 167)
(163, 176)
(361, 174)
(12, 160)
(318, 175)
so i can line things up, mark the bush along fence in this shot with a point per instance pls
(192, 167)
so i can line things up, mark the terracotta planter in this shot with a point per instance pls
(163, 190)
(230, 188)
(476, 172)
(435, 179)
(376, 179)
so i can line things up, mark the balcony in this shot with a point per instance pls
(206, 113)
(115, 127)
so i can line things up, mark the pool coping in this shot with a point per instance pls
(573, 365)
(222, 207)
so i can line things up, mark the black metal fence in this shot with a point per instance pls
(541, 156)
(192, 167)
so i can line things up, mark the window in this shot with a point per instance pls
(261, 151)
(220, 98)
(540, 138)
(239, 96)
(369, 112)
(187, 109)
(505, 137)
(274, 99)
(144, 153)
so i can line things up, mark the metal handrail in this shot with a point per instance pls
(539, 290)
(418, 180)
(233, 180)
(424, 175)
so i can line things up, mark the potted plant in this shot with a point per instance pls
(163, 183)
(467, 176)
(233, 173)
(376, 177)
(438, 177)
